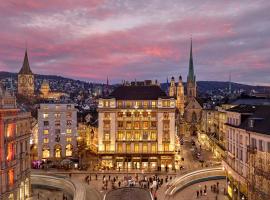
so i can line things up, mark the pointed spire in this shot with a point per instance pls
(191, 76)
(26, 67)
(107, 80)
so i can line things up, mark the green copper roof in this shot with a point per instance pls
(191, 76)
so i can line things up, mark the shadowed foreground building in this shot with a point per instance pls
(247, 160)
(14, 149)
(137, 128)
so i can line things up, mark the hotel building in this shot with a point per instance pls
(57, 130)
(15, 133)
(247, 161)
(137, 128)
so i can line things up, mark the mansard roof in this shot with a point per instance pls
(138, 92)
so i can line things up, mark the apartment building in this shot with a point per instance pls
(247, 161)
(137, 128)
(57, 131)
(15, 133)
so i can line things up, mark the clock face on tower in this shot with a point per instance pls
(23, 81)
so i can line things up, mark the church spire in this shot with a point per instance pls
(26, 67)
(191, 76)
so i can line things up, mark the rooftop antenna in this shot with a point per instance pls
(230, 83)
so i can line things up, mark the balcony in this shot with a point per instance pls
(252, 149)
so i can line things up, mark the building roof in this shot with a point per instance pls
(243, 109)
(26, 67)
(251, 101)
(261, 121)
(138, 92)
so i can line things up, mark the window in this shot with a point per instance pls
(136, 114)
(145, 114)
(45, 131)
(45, 116)
(46, 140)
(260, 145)
(119, 148)
(136, 148)
(57, 151)
(11, 177)
(69, 131)
(166, 115)
(69, 150)
(145, 104)
(69, 107)
(153, 124)
(165, 147)
(57, 123)
(69, 122)
(106, 124)
(268, 147)
(136, 125)
(145, 148)
(128, 135)
(46, 123)
(128, 104)
(153, 114)
(166, 125)
(128, 148)
(120, 104)
(153, 148)
(120, 135)
(137, 135)
(120, 114)
(57, 115)
(69, 139)
(69, 114)
(128, 125)
(153, 135)
(45, 153)
(253, 143)
(107, 147)
(128, 114)
(153, 103)
(107, 136)
(165, 103)
(57, 131)
(120, 124)
(145, 125)
(145, 136)
(106, 115)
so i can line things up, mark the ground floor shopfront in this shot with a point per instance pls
(140, 162)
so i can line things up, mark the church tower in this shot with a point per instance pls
(172, 90)
(26, 78)
(191, 78)
(180, 98)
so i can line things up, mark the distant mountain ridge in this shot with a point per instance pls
(203, 86)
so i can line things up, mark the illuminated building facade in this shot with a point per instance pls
(247, 162)
(15, 133)
(26, 84)
(57, 131)
(46, 92)
(137, 128)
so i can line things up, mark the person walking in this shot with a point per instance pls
(198, 193)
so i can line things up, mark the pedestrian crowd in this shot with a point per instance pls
(203, 191)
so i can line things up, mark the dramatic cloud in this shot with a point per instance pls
(127, 39)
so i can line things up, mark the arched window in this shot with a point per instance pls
(194, 117)
(11, 197)
(45, 152)
(57, 151)
(69, 149)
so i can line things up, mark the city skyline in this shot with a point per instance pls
(134, 40)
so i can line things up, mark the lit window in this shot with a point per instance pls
(128, 125)
(145, 125)
(57, 115)
(45, 115)
(165, 147)
(136, 148)
(11, 177)
(57, 151)
(106, 115)
(153, 148)
(45, 153)
(69, 114)
(69, 150)
(136, 125)
(128, 147)
(45, 131)
(46, 140)
(69, 139)
(128, 135)
(107, 136)
(120, 114)
(69, 131)
(119, 148)
(153, 104)
(153, 136)
(120, 135)
(137, 135)
(68, 107)
(145, 148)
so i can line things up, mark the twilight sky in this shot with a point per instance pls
(142, 39)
